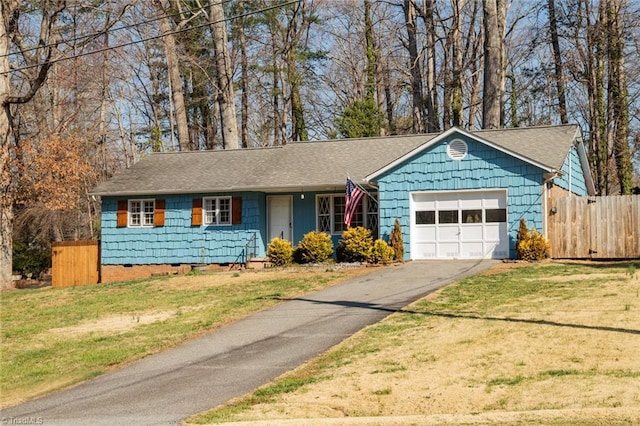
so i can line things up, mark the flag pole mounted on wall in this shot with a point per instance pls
(353, 196)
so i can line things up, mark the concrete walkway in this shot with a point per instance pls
(165, 388)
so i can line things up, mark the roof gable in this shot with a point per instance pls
(545, 148)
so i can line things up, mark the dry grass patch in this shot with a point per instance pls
(523, 339)
(110, 325)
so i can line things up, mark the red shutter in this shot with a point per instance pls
(158, 219)
(123, 207)
(196, 212)
(236, 210)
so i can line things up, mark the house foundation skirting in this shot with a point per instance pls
(111, 273)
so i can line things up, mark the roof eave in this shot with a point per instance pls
(328, 186)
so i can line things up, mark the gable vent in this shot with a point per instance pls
(457, 149)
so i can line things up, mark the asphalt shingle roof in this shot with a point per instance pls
(547, 145)
(310, 165)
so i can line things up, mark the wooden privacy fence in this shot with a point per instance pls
(75, 263)
(595, 227)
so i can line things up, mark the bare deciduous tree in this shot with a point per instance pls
(494, 62)
(177, 95)
(224, 76)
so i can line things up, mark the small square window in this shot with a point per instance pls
(496, 215)
(447, 216)
(471, 216)
(427, 217)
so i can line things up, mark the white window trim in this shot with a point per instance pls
(332, 214)
(143, 223)
(217, 221)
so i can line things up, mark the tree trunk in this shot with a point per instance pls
(297, 111)
(457, 64)
(6, 195)
(418, 117)
(370, 48)
(387, 98)
(284, 115)
(446, 90)
(557, 59)
(431, 98)
(494, 72)
(40, 60)
(6, 198)
(618, 97)
(177, 95)
(371, 60)
(513, 95)
(276, 94)
(298, 125)
(594, 64)
(474, 41)
(244, 80)
(224, 77)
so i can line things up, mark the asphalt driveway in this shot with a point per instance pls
(165, 388)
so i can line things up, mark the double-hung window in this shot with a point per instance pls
(330, 209)
(142, 212)
(217, 211)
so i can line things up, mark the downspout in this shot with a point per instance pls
(586, 170)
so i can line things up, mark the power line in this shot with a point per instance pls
(135, 24)
(66, 58)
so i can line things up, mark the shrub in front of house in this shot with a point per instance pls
(396, 242)
(381, 252)
(355, 245)
(280, 252)
(315, 247)
(530, 244)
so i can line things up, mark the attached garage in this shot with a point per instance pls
(459, 225)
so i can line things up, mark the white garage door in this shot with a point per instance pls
(459, 225)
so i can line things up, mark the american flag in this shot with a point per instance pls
(352, 198)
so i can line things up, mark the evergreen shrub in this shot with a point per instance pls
(381, 252)
(355, 245)
(280, 252)
(396, 242)
(315, 247)
(530, 244)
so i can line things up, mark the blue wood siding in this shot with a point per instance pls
(482, 168)
(304, 215)
(572, 178)
(179, 242)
